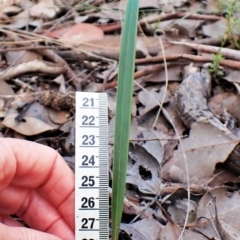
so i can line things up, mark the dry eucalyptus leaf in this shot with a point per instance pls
(154, 147)
(226, 218)
(21, 57)
(5, 89)
(204, 148)
(171, 231)
(62, 85)
(228, 101)
(160, 76)
(223, 177)
(233, 76)
(151, 99)
(20, 21)
(145, 229)
(12, 10)
(108, 13)
(148, 120)
(179, 209)
(82, 33)
(2, 110)
(69, 144)
(45, 9)
(143, 170)
(34, 121)
(216, 29)
(110, 46)
(173, 117)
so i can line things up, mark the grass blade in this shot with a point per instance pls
(123, 112)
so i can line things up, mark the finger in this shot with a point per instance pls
(7, 220)
(22, 233)
(27, 164)
(34, 210)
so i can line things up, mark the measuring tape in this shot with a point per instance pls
(91, 167)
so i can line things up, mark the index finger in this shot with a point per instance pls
(30, 165)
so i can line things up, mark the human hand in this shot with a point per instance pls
(37, 185)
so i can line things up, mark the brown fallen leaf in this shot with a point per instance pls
(58, 117)
(45, 9)
(29, 67)
(204, 148)
(151, 99)
(226, 219)
(143, 170)
(178, 210)
(82, 33)
(228, 101)
(34, 121)
(145, 229)
(171, 231)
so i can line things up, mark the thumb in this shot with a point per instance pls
(23, 233)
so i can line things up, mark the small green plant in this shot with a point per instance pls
(215, 66)
(230, 8)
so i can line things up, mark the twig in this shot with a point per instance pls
(77, 82)
(144, 72)
(3, 50)
(166, 17)
(225, 52)
(158, 59)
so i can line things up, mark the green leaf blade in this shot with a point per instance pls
(123, 112)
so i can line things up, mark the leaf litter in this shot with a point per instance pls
(182, 179)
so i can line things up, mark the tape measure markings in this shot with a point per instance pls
(91, 167)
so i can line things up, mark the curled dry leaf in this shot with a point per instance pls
(58, 117)
(204, 148)
(29, 67)
(34, 121)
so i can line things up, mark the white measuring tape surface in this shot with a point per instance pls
(91, 167)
